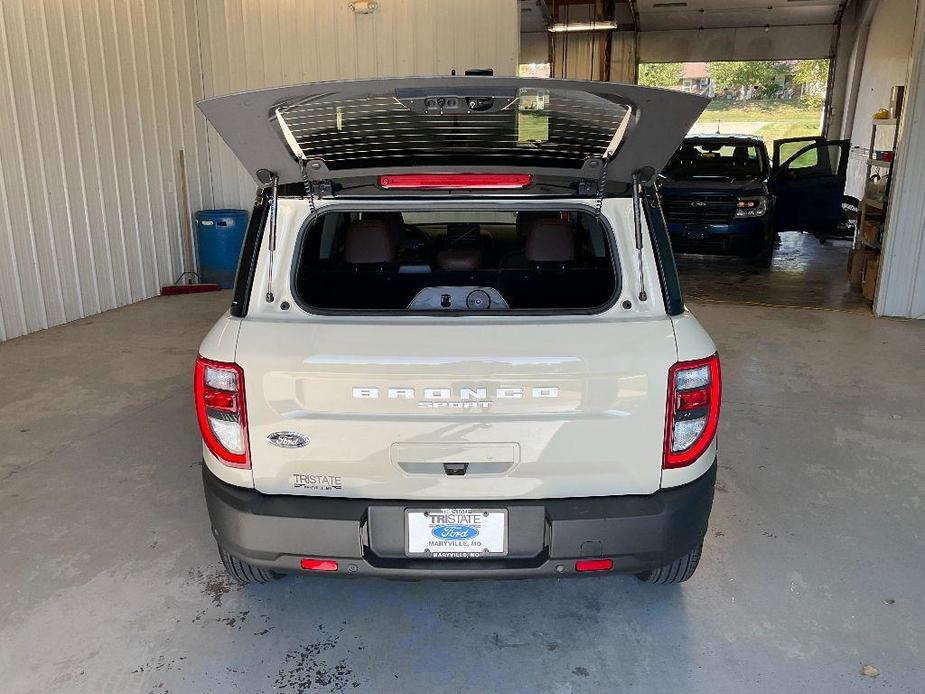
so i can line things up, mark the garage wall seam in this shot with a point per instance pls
(202, 86)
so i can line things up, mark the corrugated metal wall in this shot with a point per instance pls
(97, 97)
(245, 46)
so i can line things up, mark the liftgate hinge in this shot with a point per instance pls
(313, 188)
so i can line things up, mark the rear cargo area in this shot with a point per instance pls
(404, 261)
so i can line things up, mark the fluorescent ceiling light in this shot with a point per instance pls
(583, 26)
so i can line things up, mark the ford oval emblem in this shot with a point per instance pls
(453, 531)
(287, 439)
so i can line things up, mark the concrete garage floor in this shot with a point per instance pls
(813, 565)
(803, 273)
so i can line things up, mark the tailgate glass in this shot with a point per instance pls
(529, 127)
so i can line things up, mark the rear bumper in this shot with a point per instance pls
(545, 537)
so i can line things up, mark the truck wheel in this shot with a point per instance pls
(764, 257)
(244, 573)
(677, 571)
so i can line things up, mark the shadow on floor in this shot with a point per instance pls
(804, 273)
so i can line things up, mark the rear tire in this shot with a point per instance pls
(764, 258)
(850, 207)
(245, 573)
(677, 571)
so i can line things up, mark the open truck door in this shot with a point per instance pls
(808, 182)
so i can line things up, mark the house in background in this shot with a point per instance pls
(695, 79)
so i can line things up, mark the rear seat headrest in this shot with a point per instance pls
(526, 220)
(370, 241)
(550, 240)
(393, 219)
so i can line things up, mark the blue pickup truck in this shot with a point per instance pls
(723, 194)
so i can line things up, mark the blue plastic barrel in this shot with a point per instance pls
(219, 235)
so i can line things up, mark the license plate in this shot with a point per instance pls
(456, 533)
(696, 231)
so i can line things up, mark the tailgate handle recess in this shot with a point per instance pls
(455, 469)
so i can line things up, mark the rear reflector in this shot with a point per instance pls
(319, 565)
(220, 400)
(456, 181)
(583, 565)
(692, 399)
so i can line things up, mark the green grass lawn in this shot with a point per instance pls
(784, 118)
(760, 109)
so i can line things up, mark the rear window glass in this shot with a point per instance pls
(530, 127)
(711, 159)
(432, 261)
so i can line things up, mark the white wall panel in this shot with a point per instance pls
(886, 63)
(901, 288)
(96, 98)
(250, 44)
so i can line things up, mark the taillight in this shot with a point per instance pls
(220, 409)
(426, 181)
(694, 392)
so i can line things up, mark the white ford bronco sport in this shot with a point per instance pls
(457, 346)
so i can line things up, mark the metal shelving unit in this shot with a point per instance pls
(872, 213)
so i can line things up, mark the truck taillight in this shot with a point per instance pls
(694, 393)
(220, 409)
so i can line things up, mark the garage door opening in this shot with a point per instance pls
(754, 197)
(768, 98)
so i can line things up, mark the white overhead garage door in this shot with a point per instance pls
(677, 31)
(777, 43)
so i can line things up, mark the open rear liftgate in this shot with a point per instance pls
(365, 135)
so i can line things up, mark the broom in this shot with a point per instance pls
(193, 283)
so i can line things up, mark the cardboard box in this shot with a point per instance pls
(857, 262)
(871, 270)
(870, 232)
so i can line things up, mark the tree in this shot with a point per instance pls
(813, 76)
(762, 75)
(660, 74)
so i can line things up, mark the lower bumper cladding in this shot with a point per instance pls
(546, 537)
(742, 237)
